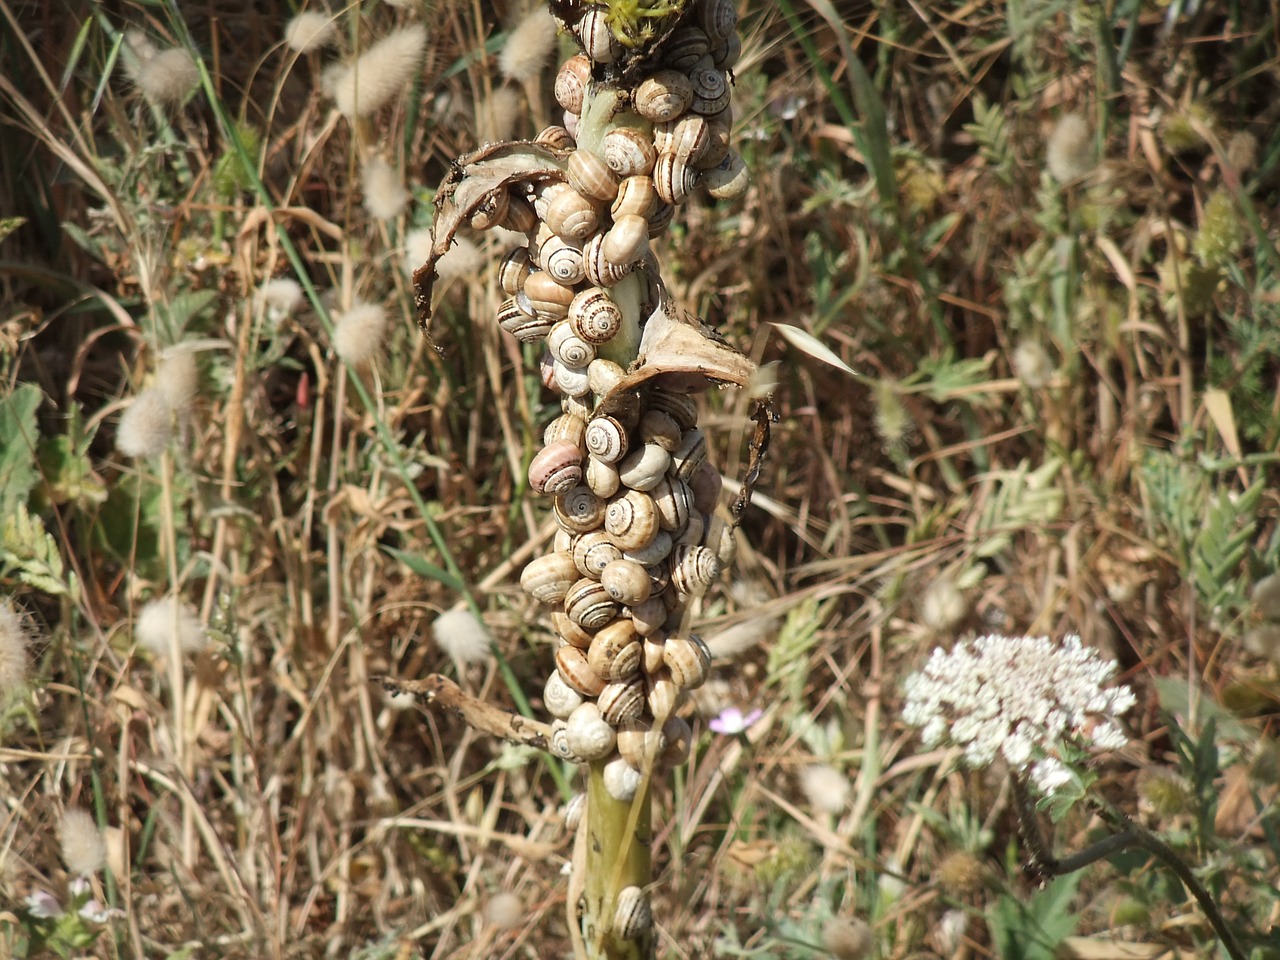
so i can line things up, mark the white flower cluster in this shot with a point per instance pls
(1020, 697)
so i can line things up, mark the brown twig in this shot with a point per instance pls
(441, 692)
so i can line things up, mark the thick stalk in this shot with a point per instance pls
(619, 839)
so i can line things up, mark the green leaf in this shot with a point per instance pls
(10, 224)
(1034, 929)
(18, 473)
(424, 568)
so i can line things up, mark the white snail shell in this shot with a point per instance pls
(652, 649)
(726, 52)
(661, 218)
(559, 698)
(590, 175)
(571, 633)
(693, 568)
(602, 271)
(549, 577)
(602, 478)
(513, 271)
(681, 407)
(662, 693)
(596, 36)
(627, 240)
(573, 811)
(549, 298)
(674, 500)
(589, 604)
(606, 439)
(603, 376)
(729, 179)
(643, 469)
(648, 617)
(631, 519)
(593, 551)
(691, 534)
(569, 348)
(632, 918)
(589, 736)
(622, 781)
(628, 152)
(657, 426)
(571, 381)
(718, 137)
(655, 551)
(578, 510)
(635, 737)
(563, 260)
(571, 82)
(571, 215)
(555, 136)
(514, 318)
(567, 426)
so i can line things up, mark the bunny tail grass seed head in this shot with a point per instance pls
(375, 77)
(417, 247)
(499, 114)
(528, 46)
(942, 605)
(461, 635)
(83, 849)
(463, 259)
(504, 910)
(168, 78)
(1069, 152)
(384, 193)
(1032, 365)
(358, 334)
(15, 638)
(146, 425)
(309, 30)
(280, 297)
(825, 787)
(139, 51)
(847, 939)
(177, 379)
(159, 619)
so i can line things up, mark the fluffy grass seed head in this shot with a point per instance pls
(847, 939)
(942, 605)
(139, 50)
(499, 115)
(1032, 364)
(1242, 151)
(358, 334)
(15, 639)
(146, 426)
(1021, 698)
(177, 379)
(461, 635)
(463, 259)
(159, 619)
(384, 194)
(1069, 152)
(504, 910)
(378, 75)
(83, 849)
(280, 297)
(528, 46)
(825, 787)
(169, 77)
(310, 30)
(417, 247)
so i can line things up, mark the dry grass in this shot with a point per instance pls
(1066, 421)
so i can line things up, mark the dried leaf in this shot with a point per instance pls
(806, 342)
(682, 354)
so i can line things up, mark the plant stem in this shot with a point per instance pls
(619, 840)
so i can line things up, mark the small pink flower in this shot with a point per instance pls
(732, 721)
(42, 904)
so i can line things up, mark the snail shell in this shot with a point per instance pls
(636, 195)
(655, 551)
(632, 918)
(662, 694)
(571, 122)
(651, 652)
(589, 736)
(627, 240)
(644, 469)
(710, 91)
(605, 439)
(692, 532)
(589, 605)
(729, 179)
(556, 468)
(689, 661)
(725, 54)
(602, 271)
(718, 18)
(681, 407)
(705, 483)
(614, 654)
(561, 541)
(603, 376)
(673, 178)
(649, 616)
(571, 82)
(563, 260)
(559, 698)
(690, 138)
(569, 348)
(677, 739)
(631, 519)
(579, 510)
(520, 215)
(635, 737)
(691, 452)
(717, 148)
(621, 780)
(572, 664)
(571, 215)
(555, 136)
(622, 701)
(571, 381)
(547, 368)
(573, 811)
(658, 426)
(602, 478)
(573, 634)
(626, 581)
(663, 95)
(520, 323)
(544, 193)
(491, 211)
(513, 271)
(661, 218)
(549, 577)
(659, 575)
(684, 47)
(674, 500)
(596, 36)
(549, 298)
(593, 551)
(590, 175)
(628, 152)
(567, 426)
(594, 315)
(693, 568)
(560, 742)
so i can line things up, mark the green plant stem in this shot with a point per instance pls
(618, 855)
(1131, 835)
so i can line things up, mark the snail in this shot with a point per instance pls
(644, 468)
(626, 581)
(590, 175)
(632, 918)
(571, 82)
(556, 468)
(549, 577)
(593, 315)
(589, 736)
(578, 510)
(606, 439)
(572, 664)
(628, 152)
(622, 701)
(588, 604)
(593, 551)
(663, 96)
(622, 780)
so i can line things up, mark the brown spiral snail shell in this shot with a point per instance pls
(556, 468)
(663, 95)
(594, 315)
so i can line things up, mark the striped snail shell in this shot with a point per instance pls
(718, 18)
(544, 193)
(571, 633)
(710, 91)
(627, 240)
(571, 381)
(690, 138)
(556, 468)
(549, 577)
(626, 581)
(602, 478)
(563, 260)
(632, 918)
(691, 452)
(520, 215)
(589, 605)
(658, 426)
(725, 54)
(631, 519)
(589, 736)
(729, 179)
(660, 219)
(571, 83)
(578, 510)
(513, 270)
(537, 239)
(491, 211)
(693, 568)
(569, 348)
(525, 326)
(614, 654)
(567, 426)
(602, 271)
(718, 140)
(674, 500)
(705, 483)
(659, 575)
(549, 298)
(555, 136)
(693, 531)
(621, 781)
(635, 737)
(596, 36)
(655, 551)
(681, 407)
(547, 368)
(652, 648)
(603, 376)
(594, 315)
(684, 47)
(558, 697)
(573, 811)
(622, 701)
(636, 195)
(571, 122)
(678, 740)
(572, 664)
(688, 659)
(605, 439)
(571, 215)
(628, 152)
(593, 551)
(663, 95)
(662, 693)
(644, 468)
(590, 175)
(649, 616)
(673, 178)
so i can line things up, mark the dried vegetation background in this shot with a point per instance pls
(1043, 234)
